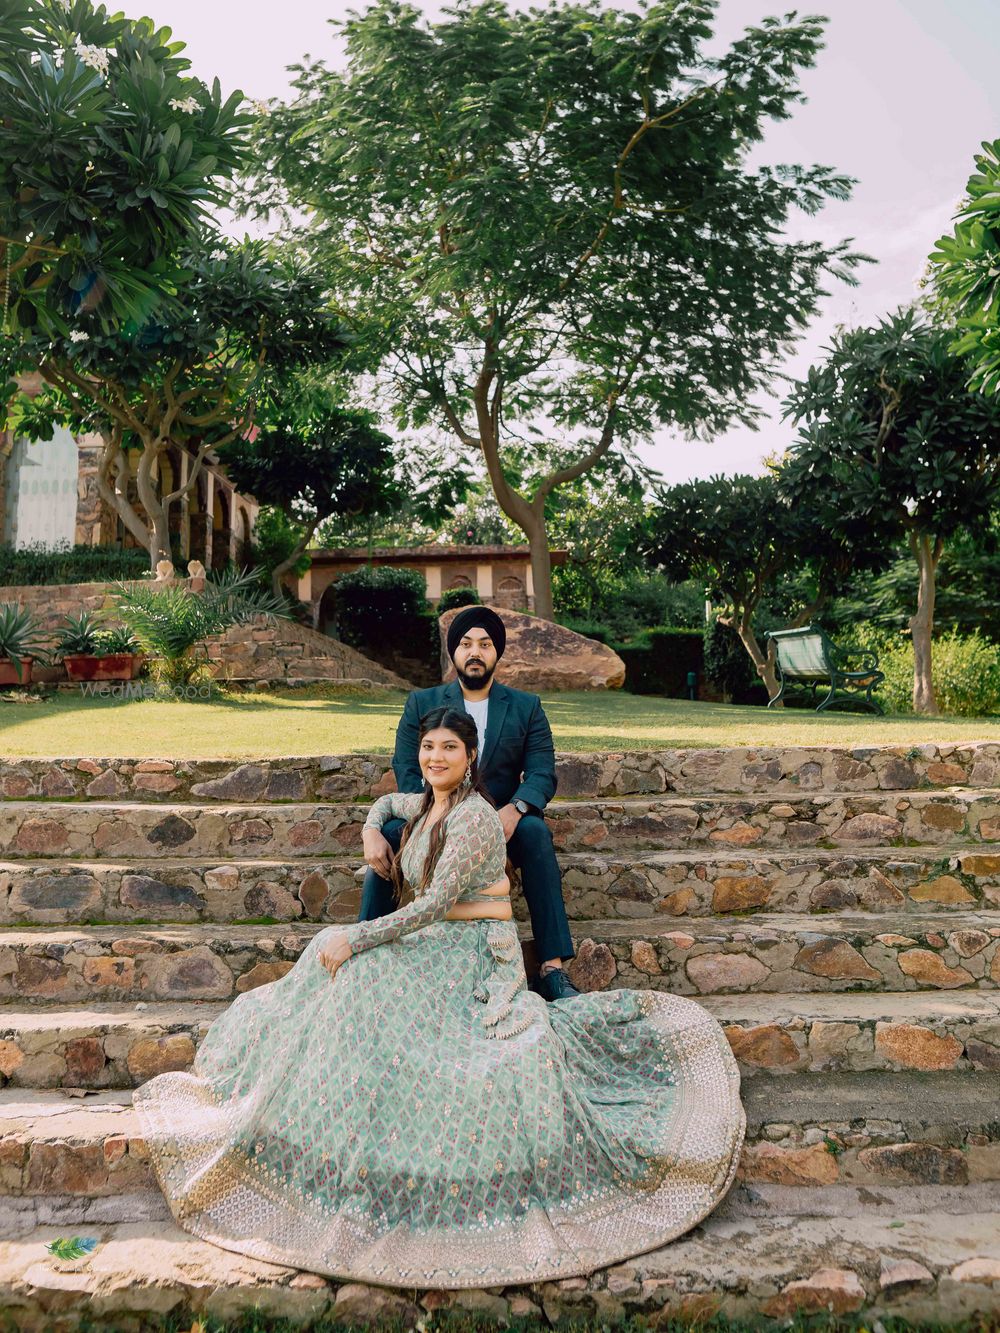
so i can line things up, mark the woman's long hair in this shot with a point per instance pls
(458, 721)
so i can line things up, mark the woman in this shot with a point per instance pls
(401, 1109)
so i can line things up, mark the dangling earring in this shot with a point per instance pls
(468, 775)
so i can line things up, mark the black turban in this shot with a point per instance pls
(477, 617)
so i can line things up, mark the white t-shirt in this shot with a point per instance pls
(477, 711)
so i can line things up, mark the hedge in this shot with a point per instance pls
(659, 660)
(34, 566)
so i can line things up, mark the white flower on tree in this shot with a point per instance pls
(189, 104)
(96, 57)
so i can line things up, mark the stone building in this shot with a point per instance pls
(49, 498)
(500, 575)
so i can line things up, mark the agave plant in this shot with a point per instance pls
(172, 623)
(21, 636)
(80, 634)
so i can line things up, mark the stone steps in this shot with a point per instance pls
(913, 1265)
(618, 885)
(772, 952)
(100, 830)
(877, 1131)
(836, 910)
(119, 1045)
(788, 771)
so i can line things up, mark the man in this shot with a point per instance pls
(517, 767)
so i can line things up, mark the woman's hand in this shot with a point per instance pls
(334, 951)
(378, 852)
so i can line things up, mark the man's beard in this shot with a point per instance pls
(477, 682)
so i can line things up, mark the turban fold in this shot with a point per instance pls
(477, 617)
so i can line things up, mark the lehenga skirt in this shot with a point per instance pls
(424, 1120)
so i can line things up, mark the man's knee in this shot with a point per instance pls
(392, 831)
(531, 836)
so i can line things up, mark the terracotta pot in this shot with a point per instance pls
(114, 666)
(8, 674)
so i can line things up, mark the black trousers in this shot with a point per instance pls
(532, 853)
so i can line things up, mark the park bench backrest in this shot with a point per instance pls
(803, 656)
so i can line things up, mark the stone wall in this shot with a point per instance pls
(278, 654)
(286, 652)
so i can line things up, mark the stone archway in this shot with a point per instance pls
(511, 592)
(221, 526)
(243, 535)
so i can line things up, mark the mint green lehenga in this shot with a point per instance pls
(424, 1120)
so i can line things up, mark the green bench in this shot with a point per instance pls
(807, 657)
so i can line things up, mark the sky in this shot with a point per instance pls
(901, 97)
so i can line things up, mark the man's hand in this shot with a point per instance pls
(378, 852)
(334, 951)
(510, 817)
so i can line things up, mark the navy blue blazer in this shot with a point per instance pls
(518, 759)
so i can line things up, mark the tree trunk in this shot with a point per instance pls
(158, 525)
(280, 570)
(116, 496)
(541, 565)
(927, 553)
(765, 663)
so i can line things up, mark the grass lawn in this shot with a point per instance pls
(323, 721)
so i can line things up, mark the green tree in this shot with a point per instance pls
(742, 535)
(195, 374)
(546, 225)
(965, 272)
(891, 438)
(111, 153)
(314, 464)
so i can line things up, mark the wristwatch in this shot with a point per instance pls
(523, 808)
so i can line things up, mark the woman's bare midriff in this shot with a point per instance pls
(480, 911)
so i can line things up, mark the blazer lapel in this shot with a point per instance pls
(453, 695)
(495, 717)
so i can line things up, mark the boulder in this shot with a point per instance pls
(541, 655)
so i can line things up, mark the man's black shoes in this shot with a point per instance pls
(555, 985)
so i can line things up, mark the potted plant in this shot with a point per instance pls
(90, 653)
(21, 642)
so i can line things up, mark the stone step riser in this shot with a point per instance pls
(769, 955)
(98, 1161)
(34, 829)
(916, 1267)
(353, 777)
(595, 886)
(101, 1050)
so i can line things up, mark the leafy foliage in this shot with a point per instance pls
(890, 439)
(452, 597)
(545, 222)
(111, 154)
(375, 601)
(34, 565)
(967, 272)
(314, 464)
(739, 536)
(966, 672)
(20, 635)
(171, 623)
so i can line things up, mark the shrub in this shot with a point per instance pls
(659, 660)
(966, 671)
(589, 630)
(34, 566)
(728, 667)
(452, 597)
(374, 604)
(628, 605)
